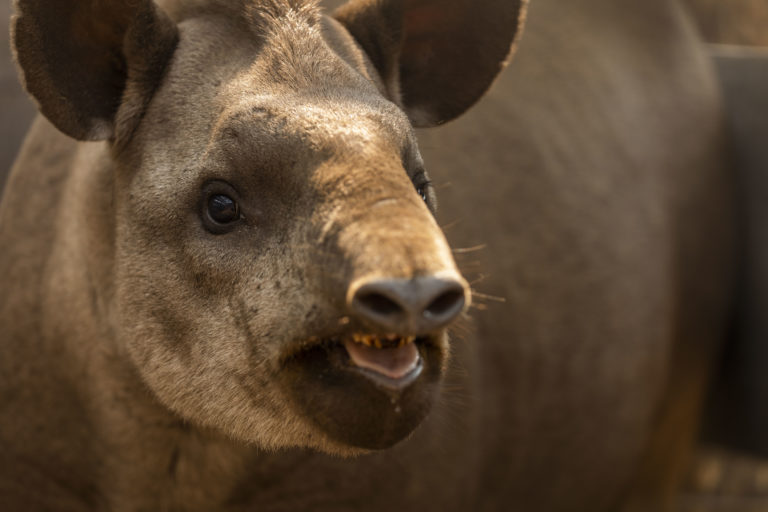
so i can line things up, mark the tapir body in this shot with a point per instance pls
(587, 199)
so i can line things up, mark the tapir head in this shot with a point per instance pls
(278, 273)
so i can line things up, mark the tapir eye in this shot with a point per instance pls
(220, 209)
(223, 209)
(422, 191)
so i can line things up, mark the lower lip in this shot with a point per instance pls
(390, 383)
(358, 407)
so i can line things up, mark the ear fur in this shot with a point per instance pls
(83, 60)
(438, 56)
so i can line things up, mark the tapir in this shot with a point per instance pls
(227, 284)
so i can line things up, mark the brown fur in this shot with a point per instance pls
(141, 355)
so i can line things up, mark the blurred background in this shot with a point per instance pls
(16, 110)
(743, 22)
(722, 479)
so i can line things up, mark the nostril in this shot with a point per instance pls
(379, 304)
(447, 303)
(408, 306)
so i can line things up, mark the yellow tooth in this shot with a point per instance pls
(365, 339)
(372, 340)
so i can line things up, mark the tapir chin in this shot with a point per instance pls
(226, 286)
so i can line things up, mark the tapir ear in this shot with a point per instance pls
(83, 60)
(440, 56)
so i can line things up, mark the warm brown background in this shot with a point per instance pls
(733, 21)
(15, 109)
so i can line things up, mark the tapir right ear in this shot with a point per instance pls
(438, 57)
(83, 60)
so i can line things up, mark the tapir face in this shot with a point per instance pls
(278, 274)
(277, 243)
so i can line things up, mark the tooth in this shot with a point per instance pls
(364, 339)
(375, 341)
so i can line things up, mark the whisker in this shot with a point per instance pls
(478, 279)
(487, 297)
(451, 224)
(474, 248)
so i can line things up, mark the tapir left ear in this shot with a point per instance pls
(438, 56)
(92, 65)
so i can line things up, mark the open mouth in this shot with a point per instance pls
(392, 361)
(366, 390)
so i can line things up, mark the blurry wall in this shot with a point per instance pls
(16, 110)
(743, 22)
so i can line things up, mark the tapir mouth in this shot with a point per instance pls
(366, 390)
(392, 361)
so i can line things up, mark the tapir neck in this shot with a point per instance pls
(172, 464)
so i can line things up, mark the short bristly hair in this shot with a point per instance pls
(266, 12)
(262, 12)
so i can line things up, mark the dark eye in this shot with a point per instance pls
(422, 191)
(220, 211)
(223, 209)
